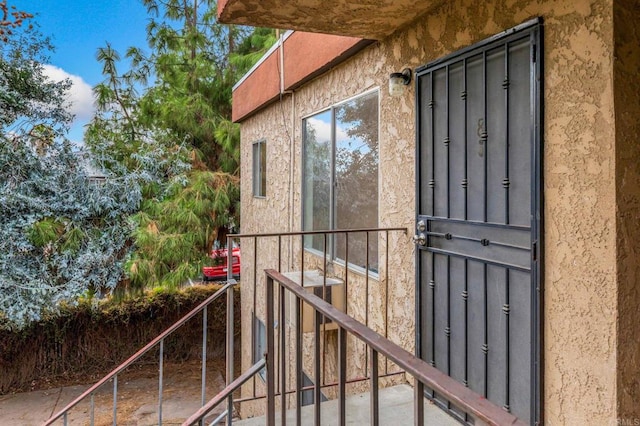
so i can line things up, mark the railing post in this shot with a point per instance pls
(316, 362)
(160, 380)
(375, 405)
(92, 410)
(271, 377)
(283, 366)
(115, 400)
(230, 351)
(299, 382)
(418, 403)
(203, 389)
(342, 375)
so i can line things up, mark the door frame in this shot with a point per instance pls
(535, 28)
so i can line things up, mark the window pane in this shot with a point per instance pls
(356, 174)
(317, 176)
(259, 169)
(263, 169)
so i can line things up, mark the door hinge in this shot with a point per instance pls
(534, 251)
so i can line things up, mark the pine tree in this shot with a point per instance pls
(184, 117)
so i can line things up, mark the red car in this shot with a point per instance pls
(218, 272)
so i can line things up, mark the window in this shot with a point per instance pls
(340, 177)
(259, 169)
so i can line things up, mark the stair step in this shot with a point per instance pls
(396, 409)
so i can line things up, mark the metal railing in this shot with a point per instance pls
(425, 375)
(228, 288)
(199, 415)
(335, 252)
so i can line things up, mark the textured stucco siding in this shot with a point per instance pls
(627, 100)
(590, 171)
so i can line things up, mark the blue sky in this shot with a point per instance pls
(77, 28)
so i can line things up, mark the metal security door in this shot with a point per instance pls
(478, 219)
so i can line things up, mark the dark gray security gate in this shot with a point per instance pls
(478, 218)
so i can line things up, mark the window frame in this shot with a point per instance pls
(331, 249)
(259, 168)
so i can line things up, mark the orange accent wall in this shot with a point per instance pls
(306, 55)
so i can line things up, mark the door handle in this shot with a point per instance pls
(420, 239)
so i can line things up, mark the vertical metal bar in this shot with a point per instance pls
(302, 261)
(386, 286)
(375, 406)
(283, 361)
(92, 410)
(506, 309)
(505, 181)
(447, 142)
(366, 302)
(299, 373)
(203, 381)
(418, 403)
(279, 253)
(271, 377)
(342, 375)
(366, 281)
(115, 400)
(386, 297)
(465, 298)
(64, 418)
(324, 297)
(278, 326)
(230, 349)
(485, 339)
(346, 272)
(447, 329)
(432, 181)
(432, 284)
(255, 296)
(484, 135)
(160, 380)
(229, 261)
(316, 363)
(465, 180)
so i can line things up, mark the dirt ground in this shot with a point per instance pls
(137, 397)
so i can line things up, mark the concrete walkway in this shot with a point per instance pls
(396, 409)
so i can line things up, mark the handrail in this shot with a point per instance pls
(354, 267)
(140, 353)
(328, 231)
(225, 393)
(424, 373)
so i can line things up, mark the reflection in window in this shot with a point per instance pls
(340, 177)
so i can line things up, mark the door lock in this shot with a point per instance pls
(420, 239)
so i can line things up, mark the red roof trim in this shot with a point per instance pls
(306, 55)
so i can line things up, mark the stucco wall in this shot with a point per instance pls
(582, 232)
(627, 111)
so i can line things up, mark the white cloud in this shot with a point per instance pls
(80, 93)
(323, 130)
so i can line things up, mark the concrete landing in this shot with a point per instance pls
(396, 409)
